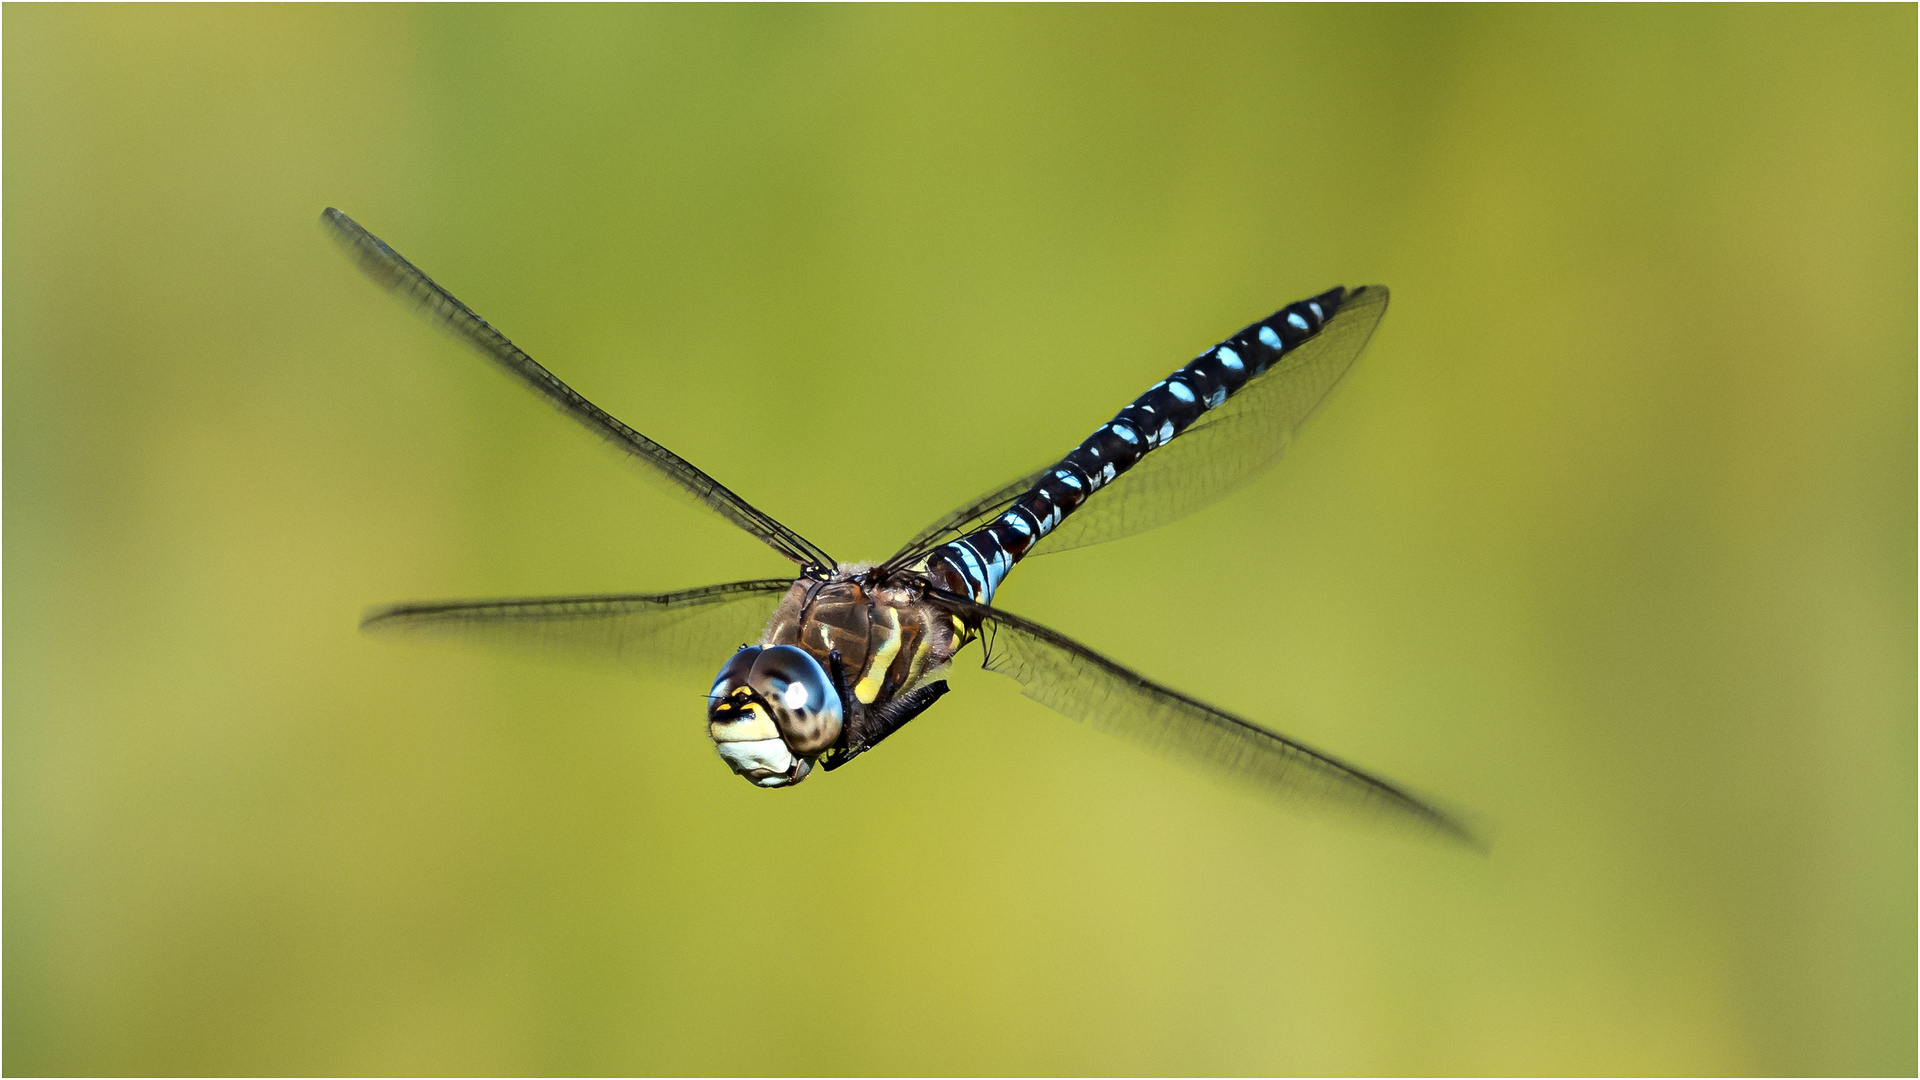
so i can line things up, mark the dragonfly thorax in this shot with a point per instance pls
(888, 637)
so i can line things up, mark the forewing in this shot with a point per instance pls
(678, 634)
(394, 273)
(1077, 682)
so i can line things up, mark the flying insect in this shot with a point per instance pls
(841, 656)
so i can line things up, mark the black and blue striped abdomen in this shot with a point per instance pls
(976, 563)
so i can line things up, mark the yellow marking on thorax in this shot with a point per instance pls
(869, 686)
(918, 666)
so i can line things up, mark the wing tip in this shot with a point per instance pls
(367, 251)
(387, 618)
(375, 619)
(340, 225)
(1372, 293)
(1477, 839)
(1447, 821)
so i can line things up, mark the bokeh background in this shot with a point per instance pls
(1609, 541)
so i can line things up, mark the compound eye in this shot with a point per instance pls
(804, 703)
(732, 677)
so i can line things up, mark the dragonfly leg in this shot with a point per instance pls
(839, 671)
(839, 754)
(887, 719)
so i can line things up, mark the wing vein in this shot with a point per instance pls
(393, 272)
(1079, 683)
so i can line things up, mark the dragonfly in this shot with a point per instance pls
(841, 656)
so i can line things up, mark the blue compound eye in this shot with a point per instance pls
(802, 699)
(773, 710)
(733, 676)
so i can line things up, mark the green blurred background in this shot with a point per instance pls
(1609, 540)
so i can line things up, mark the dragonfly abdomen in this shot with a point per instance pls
(975, 564)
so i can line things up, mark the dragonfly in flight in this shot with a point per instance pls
(843, 655)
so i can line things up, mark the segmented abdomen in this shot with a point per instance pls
(979, 561)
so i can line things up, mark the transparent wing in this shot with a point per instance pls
(1224, 449)
(394, 273)
(1231, 444)
(678, 634)
(1077, 682)
(965, 519)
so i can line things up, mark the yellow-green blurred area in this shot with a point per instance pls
(1608, 542)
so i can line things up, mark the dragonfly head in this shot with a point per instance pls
(772, 711)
